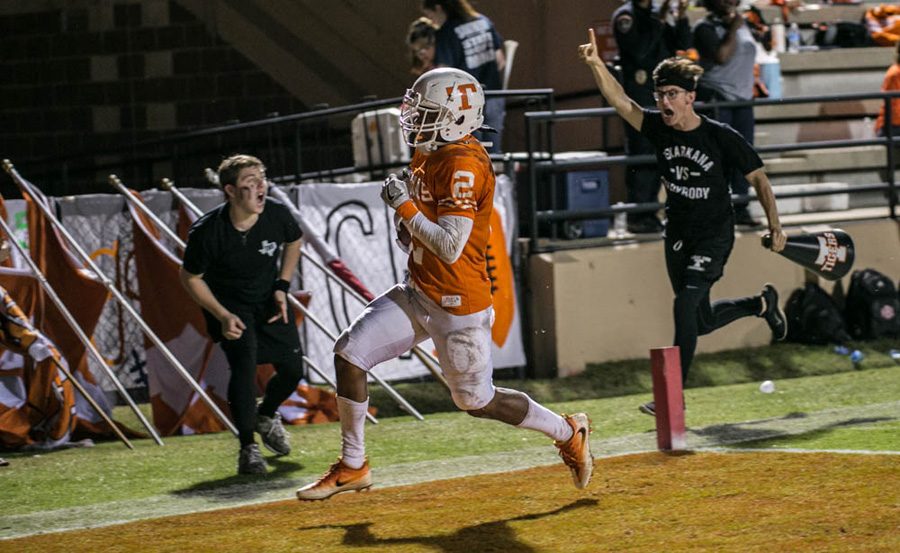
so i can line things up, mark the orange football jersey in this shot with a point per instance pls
(456, 179)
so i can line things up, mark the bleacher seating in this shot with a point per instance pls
(831, 71)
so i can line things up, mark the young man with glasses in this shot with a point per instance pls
(695, 156)
(231, 270)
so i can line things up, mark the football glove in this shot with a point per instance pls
(395, 191)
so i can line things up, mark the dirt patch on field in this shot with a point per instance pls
(652, 501)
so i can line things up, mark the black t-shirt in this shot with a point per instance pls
(239, 268)
(695, 168)
(470, 46)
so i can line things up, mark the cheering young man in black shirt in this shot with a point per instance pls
(231, 269)
(695, 156)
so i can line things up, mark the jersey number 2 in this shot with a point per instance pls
(463, 182)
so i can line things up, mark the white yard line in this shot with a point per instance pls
(716, 437)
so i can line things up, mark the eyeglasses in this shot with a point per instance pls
(669, 95)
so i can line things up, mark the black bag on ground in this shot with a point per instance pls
(873, 309)
(814, 318)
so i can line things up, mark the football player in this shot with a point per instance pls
(445, 199)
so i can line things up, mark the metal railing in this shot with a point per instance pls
(542, 161)
(298, 147)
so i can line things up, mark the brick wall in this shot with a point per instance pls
(92, 76)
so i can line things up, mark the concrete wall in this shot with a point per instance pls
(602, 304)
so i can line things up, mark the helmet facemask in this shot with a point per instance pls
(422, 120)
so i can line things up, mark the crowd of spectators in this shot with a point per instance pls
(727, 43)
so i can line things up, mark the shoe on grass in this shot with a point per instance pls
(250, 460)
(576, 451)
(649, 408)
(337, 479)
(273, 434)
(773, 313)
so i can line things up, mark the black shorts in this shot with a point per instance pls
(698, 259)
(274, 342)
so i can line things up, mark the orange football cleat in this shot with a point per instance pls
(576, 451)
(339, 478)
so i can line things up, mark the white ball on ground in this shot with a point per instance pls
(767, 387)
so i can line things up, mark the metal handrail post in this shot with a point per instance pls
(532, 183)
(889, 126)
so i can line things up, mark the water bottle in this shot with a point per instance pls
(793, 38)
(778, 43)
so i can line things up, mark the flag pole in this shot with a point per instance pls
(70, 319)
(92, 402)
(132, 199)
(148, 332)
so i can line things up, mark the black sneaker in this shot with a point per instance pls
(773, 313)
(648, 408)
(273, 434)
(250, 460)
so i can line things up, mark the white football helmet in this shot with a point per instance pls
(443, 105)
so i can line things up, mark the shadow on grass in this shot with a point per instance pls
(498, 534)
(244, 486)
(618, 378)
(747, 434)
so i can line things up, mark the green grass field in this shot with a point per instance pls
(820, 402)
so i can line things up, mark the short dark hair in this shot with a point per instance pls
(231, 167)
(678, 71)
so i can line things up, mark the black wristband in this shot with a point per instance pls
(282, 285)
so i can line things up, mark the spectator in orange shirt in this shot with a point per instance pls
(891, 83)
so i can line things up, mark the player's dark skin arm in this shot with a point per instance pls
(509, 406)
